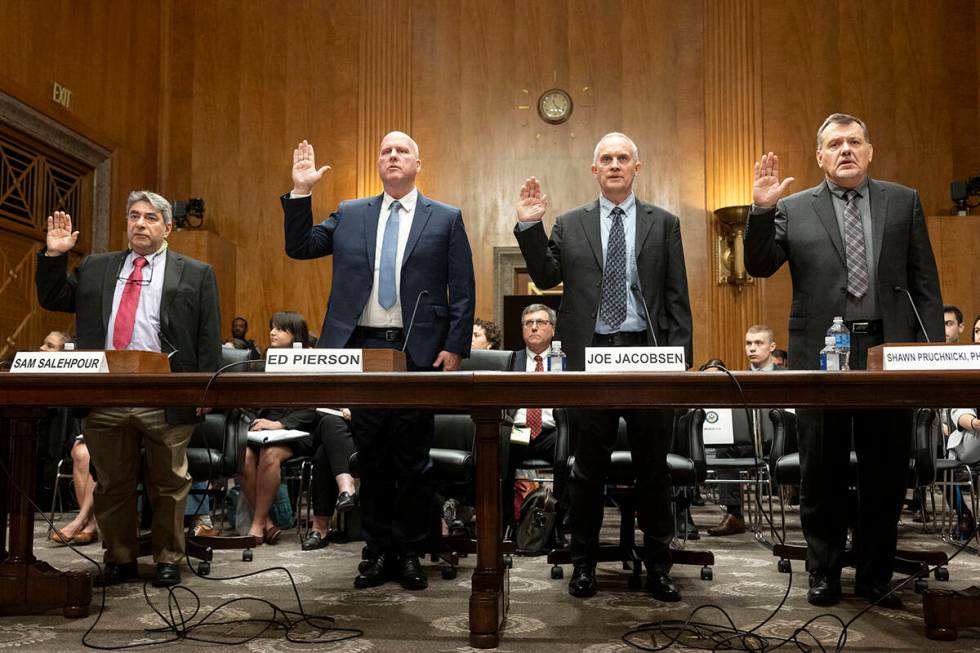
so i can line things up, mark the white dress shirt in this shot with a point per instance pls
(374, 315)
(547, 414)
(146, 326)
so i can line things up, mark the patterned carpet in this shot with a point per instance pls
(543, 617)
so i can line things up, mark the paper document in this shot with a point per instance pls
(718, 426)
(520, 435)
(275, 435)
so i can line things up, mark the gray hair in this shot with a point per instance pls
(158, 202)
(534, 308)
(633, 148)
(841, 119)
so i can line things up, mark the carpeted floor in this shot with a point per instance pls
(543, 617)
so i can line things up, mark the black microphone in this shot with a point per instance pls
(635, 287)
(173, 350)
(411, 322)
(914, 310)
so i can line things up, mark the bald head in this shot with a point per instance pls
(398, 164)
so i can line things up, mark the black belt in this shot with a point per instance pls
(869, 327)
(620, 339)
(378, 333)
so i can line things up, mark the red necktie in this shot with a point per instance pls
(122, 331)
(533, 418)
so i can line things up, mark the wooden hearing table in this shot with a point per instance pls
(29, 585)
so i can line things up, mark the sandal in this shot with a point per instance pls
(271, 534)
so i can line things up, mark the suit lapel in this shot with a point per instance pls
(823, 205)
(423, 210)
(644, 222)
(371, 217)
(878, 199)
(109, 281)
(171, 279)
(590, 225)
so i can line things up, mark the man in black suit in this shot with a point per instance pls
(858, 248)
(617, 257)
(146, 298)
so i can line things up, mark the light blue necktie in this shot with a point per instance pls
(387, 292)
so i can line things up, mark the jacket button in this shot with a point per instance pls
(593, 314)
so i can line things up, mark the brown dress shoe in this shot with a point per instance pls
(730, 525)
(85, 537)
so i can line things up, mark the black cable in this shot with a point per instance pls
(720, 637)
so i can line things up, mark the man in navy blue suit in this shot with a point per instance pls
(402, 279)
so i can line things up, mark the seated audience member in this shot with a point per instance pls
(239, 329)
(964, 445)
(82, 529)
(759, 346)
(261, 474)
(781, 358)
(533, 434)
(953, 321)
(333, 486)
(486, 335)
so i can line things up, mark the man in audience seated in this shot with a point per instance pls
(759, 346)
(239, 329)
(119, 302)
(953, 320)
(533, 431)
(781, 358)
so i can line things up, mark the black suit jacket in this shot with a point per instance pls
(574, 255)
(802, 229)
(190, 323)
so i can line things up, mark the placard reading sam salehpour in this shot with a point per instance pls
(932, 357)
(635, 359)
(60, 362)
(314, 360)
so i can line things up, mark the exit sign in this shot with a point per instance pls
(62, 95)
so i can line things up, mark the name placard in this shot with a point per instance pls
(314, 360)
(932, 357)
(635, 359)
(60, 362)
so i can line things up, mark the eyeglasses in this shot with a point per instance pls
(531, 323)
(146, 281)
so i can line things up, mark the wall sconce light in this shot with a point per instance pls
(730, 267)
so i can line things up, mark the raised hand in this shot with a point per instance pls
(305, 173)
(60, 238)
(533, 204)
(767, 189)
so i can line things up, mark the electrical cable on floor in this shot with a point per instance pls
(700, 635)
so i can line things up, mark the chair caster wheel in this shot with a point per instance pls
(941, 573)
(921, 585)
(707, 573)
(508, 561)
(784, 566)
(247, 555)
(448, 573)
(557, 573)
(204, 568)
(634, 582)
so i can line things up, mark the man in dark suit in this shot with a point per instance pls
(858, 248)
(617, 257)
(402, 279)
(147, 298)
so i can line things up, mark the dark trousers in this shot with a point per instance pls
(393, 455)
(650, 433)
(333, 446)
(882, 442)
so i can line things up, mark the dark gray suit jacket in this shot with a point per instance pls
(190, 322)
(803, 230)
(574, 255)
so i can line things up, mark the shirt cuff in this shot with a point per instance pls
(524, 226)
(298, 196)
(759, 210)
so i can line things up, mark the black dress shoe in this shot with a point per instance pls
(374, 573)
(823, 591)
(662, 587)
(114, 573)
(411, 575)
(345, 502)
(315, 541)
(583, 583)
(878, 594)
(168, 575)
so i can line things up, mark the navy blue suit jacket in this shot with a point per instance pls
(437, 259)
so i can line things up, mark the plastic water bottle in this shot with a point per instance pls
(842, 341)
(829, 358)
(69, 346)
(556, 357)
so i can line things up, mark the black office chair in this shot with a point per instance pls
(687, 468)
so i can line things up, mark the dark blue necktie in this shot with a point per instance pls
(387, 292)
(612, 306)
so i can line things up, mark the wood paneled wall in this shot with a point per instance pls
(702, 87)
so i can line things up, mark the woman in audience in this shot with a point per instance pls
(82, 529)
(486, 335)
(261, 474)
(333, 485)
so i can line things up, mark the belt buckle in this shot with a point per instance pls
(860, 327)
(391, 335)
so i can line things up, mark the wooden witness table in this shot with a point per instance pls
(30, 585)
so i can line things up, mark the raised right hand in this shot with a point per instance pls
(305, 172)
(533, 204)
(766, 188)
(60, 237)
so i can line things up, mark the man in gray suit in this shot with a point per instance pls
(858, 248)
(617, 257)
